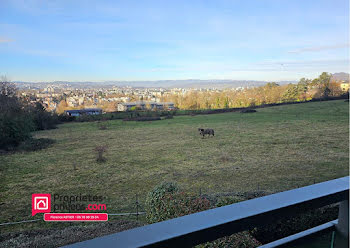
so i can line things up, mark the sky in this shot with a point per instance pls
(83, 40)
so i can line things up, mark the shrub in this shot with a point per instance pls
(166, 113)
(14, 130)
(15, 123)
(248, 111)
(227, 200)
(87, 118)
(166, 201)
(241, 240)
(100, 150)
(144, 118)
(176, 204)
(148, 118)
(196, 204)
(154, 200)
(35, 144)
(41, 118)
(65, 118)
(18, 119)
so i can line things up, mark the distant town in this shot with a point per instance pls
(58, 97)
(76, 98)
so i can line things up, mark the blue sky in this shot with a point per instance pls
(154, 40)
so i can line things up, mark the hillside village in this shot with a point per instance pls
(60, 97)
(109, 99)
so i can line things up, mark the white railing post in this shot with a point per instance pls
(343, 218)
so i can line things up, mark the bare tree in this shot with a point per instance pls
(9, 103)
(100, 151)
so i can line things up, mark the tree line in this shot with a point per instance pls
(304, 90)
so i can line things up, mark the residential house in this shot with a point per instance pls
(344, 86)
(146, 105)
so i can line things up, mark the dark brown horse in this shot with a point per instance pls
(208, 131)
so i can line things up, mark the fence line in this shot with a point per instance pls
(202, 192)
(18, 222)
(26, 221)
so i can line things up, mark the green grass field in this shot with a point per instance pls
(275, 149)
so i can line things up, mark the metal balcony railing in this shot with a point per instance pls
(193, 229)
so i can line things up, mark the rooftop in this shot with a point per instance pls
(143, 103)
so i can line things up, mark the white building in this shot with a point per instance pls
(144, 105)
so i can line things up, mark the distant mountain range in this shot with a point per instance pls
(193, 83)
(341, 76)
(188, 83)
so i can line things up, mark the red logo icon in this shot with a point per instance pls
(41, 203)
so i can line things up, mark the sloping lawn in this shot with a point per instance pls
(274, 149)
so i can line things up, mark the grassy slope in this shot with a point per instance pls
(276, 148)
